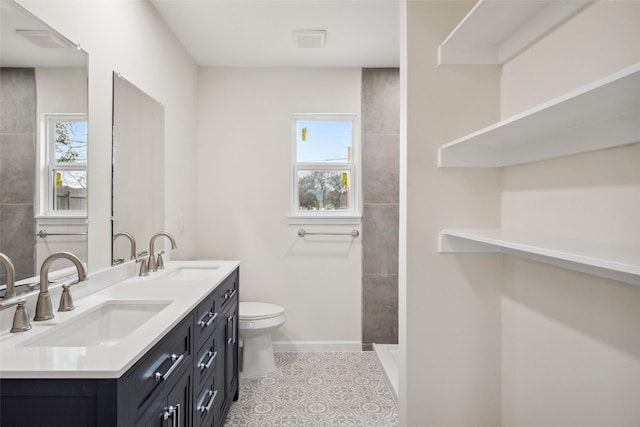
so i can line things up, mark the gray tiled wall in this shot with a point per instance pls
(380, 172)
(17, 168)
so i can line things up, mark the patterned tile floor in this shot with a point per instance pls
(332, 389)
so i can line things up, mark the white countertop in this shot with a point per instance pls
(18, 359)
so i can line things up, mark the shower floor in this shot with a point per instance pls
(389, 357)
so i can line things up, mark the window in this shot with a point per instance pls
(325, 162)
(66, 154)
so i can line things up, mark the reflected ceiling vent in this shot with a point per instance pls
(305, 39)
(46, 39)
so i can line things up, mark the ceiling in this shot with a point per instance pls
(258, 33)
(18, 51)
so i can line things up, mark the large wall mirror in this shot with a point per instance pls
(43, 143)
(138, 168)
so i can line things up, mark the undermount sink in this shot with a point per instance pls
(189, 273)
(103, 326)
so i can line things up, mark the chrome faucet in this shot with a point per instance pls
(43, 305)
(131, 239)
(153, 266)
(11, 276)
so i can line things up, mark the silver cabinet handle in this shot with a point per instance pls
(233, 326)
(212, 356)
(212, 317)
(234, 329)
(230, 334)
(230, 294)
(175, 362)
(170, 412)
(212, 397)
(174, 413)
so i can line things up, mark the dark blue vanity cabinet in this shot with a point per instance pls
(189, 378)
(227, 333)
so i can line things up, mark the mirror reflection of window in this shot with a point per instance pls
(66, 147)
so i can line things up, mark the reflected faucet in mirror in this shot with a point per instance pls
(153, 264)
(11, 276)
(43, 305)
(132, 240)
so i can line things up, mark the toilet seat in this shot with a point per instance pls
(259, 310)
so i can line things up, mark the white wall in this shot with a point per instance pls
(61, 90)
(245, 172)
(130, 37)
(571, 342)
(452, 329)
(527, 344)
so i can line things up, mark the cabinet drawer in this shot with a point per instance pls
(161, 367)
(205, 361)
(206, 403)
(228, 289)
(206, 317)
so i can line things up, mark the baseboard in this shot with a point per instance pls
(317, 346)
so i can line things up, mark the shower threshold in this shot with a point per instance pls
(389, 356)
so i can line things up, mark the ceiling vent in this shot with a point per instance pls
(46, 39)
(306, 39)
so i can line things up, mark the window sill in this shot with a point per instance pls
(324, 219)
(62, 219)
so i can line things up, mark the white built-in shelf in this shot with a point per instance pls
(617, 262)
(603, 114)
(494, 31)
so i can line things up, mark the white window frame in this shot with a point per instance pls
(49, 165)
(351, 216)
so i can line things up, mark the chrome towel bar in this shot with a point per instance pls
(302, 232)
(43, 234)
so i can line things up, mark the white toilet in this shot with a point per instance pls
(257, 320)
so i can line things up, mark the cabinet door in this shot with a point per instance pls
(221, 346)
(179, 403)
(226, 381)
(171, 410)
(229, 369)
(231, 355)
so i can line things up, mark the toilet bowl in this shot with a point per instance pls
(257, 320)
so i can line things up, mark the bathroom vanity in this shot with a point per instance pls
(145, 351)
